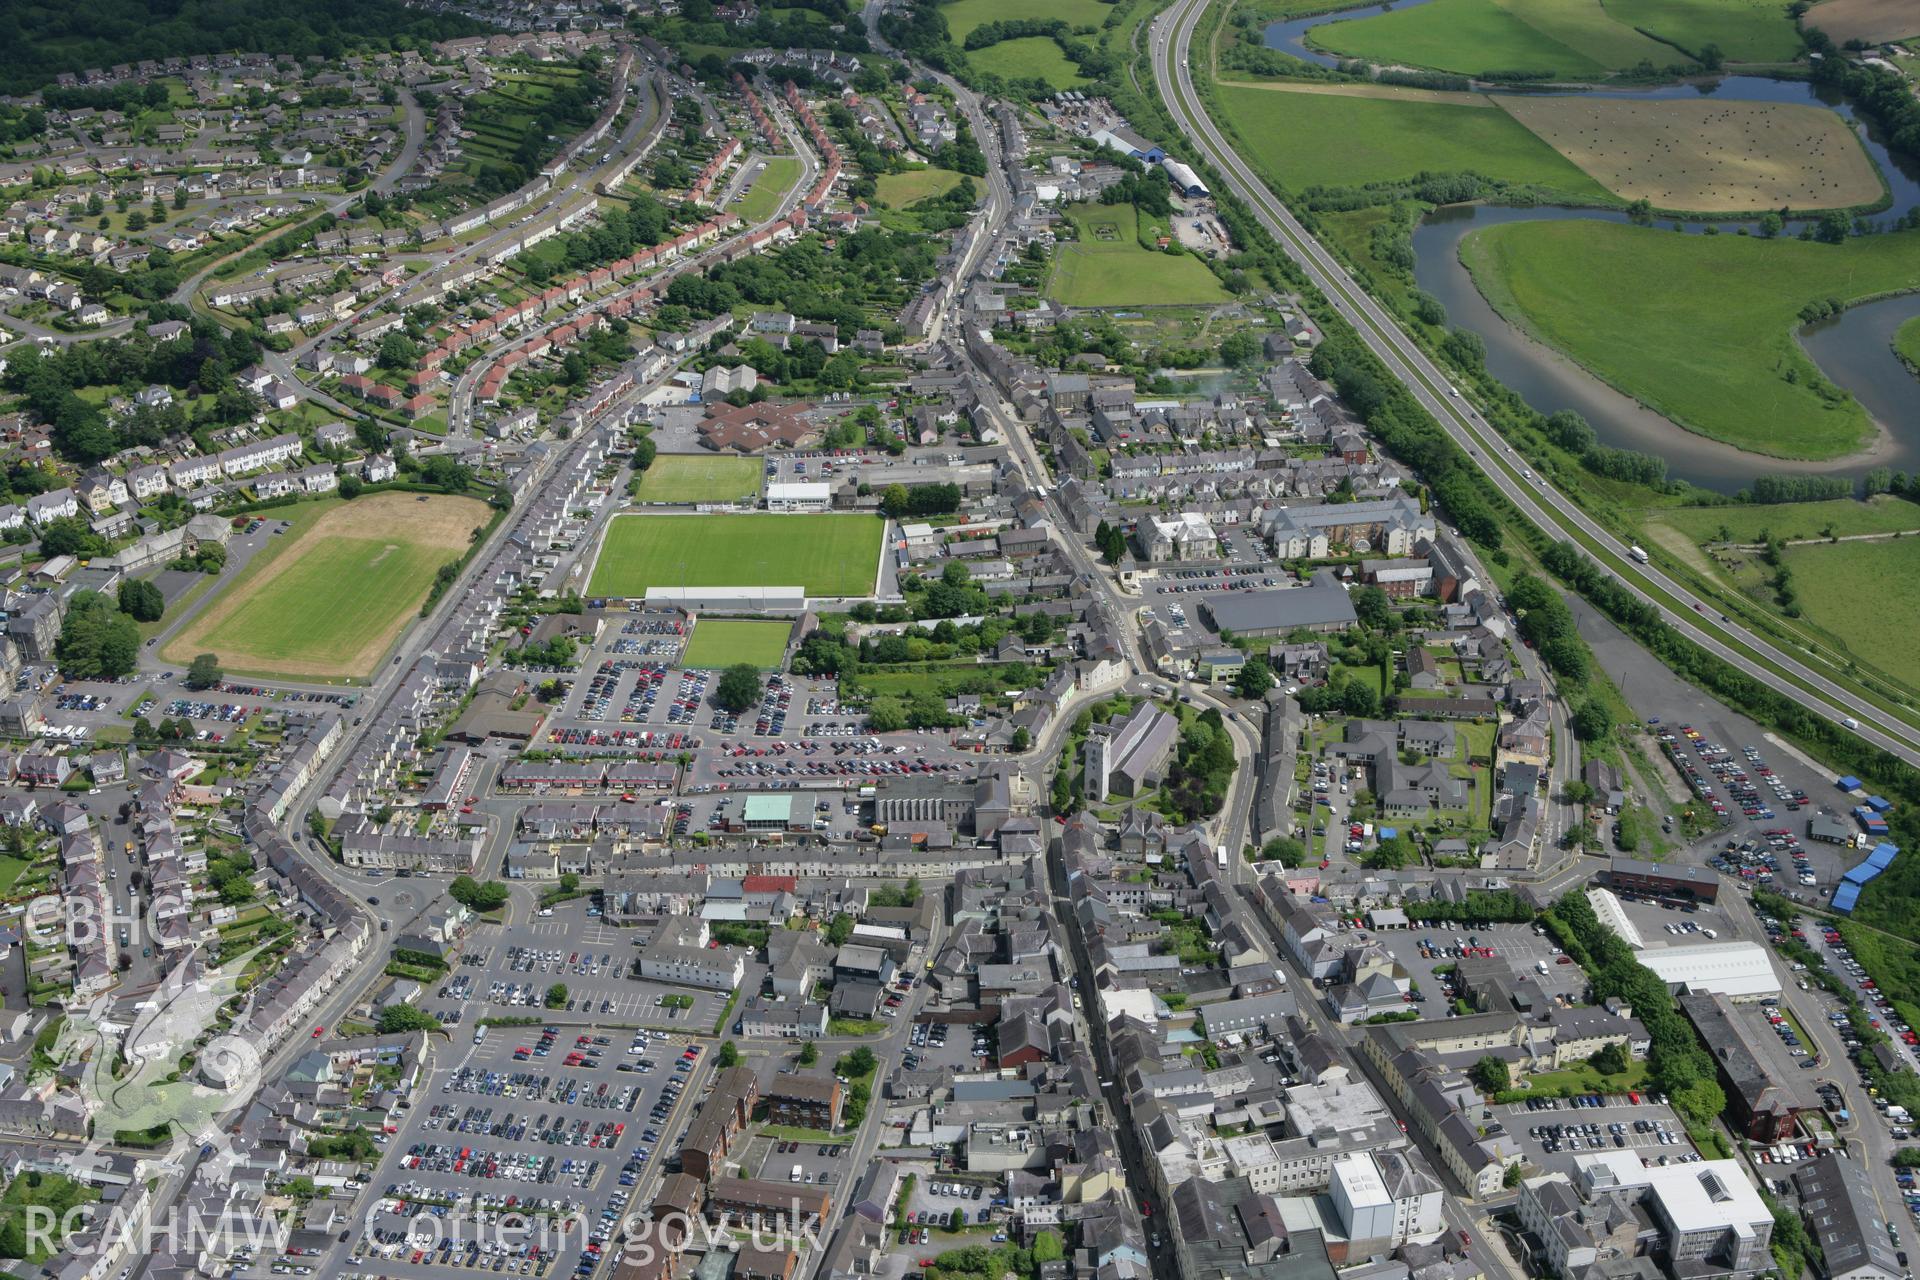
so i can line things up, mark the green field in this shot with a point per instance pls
(1745, 30)
(1030, 58)
(699, 477)
(1571, 38)
(1700, 328)
(828, 555)
(945, 679)
(1311, 139)
(335, 593)
(1847, 590)
(1109, 267)
(328, 597)
(721, 642)
(1906, 344)
(899, 190)
(763, 197)
(1841, 518)
(964, 15)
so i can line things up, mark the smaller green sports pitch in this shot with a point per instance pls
(722, 642)
(826, 555)
(699, 477)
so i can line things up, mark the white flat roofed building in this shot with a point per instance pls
(678, 953)
(1360, 1198)
(807, 495)
(1713, 1219)
(1736, 970)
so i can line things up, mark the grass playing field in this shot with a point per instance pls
(1705, 156)
(1109, 267)
(327, 598)
(964, 15)
(763, 197)
(1030, 58)
(1336, 139)
(722, 642)
(699, 477)
(1906, 344)
(828, 555)
(1850, 591)
(1700, 328)
(1569, 38)
(898, 190)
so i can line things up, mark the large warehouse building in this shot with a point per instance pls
(1321, 605)
(1736, 970)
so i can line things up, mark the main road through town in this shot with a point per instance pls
(982, 239)
(1698, 620)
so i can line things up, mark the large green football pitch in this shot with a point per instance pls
(828, 555)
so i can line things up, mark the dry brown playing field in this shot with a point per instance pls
(328, 597)
(1875, 21)
(1704, 156)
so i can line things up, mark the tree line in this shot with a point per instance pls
(921, 31)
(1771, 489)
(41, 38)
(920, 500)
(991, 33)
(1882, 95)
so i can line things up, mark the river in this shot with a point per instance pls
(1854, 349)
(1290, 37)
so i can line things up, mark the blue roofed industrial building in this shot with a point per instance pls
(1846, 895)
